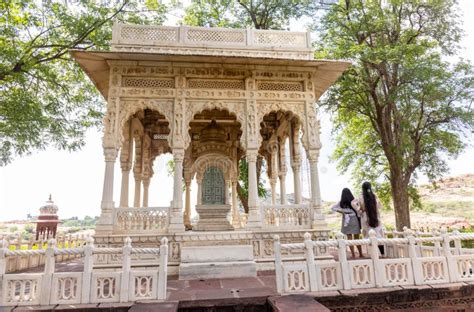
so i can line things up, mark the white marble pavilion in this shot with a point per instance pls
(210, 97)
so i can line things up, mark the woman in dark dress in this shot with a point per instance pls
(350, 218)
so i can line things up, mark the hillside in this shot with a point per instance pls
(450, 203)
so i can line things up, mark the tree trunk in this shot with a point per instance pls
(243, 199)
(400, 199)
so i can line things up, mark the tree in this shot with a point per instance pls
(260, 14)
(45, 98)
(401, 109)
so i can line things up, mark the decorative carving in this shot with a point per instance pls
(311, 137)
(214, 160)
(215, 84)
(280, 86)
(195, 106)
(142, 82)
(130, 107)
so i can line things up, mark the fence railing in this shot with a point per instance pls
(126, 34)
(89, 286)
(140, 220)
(286, 216)
(24, 261)
(445, 266)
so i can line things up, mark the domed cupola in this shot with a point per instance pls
(213, 133)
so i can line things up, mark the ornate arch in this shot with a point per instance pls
(220, 161)
(235, 108)
(129, 107)
(265, 108)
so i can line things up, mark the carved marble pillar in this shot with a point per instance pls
(235, 207)
(318, 217)
(137, 171)
(274, 169)
(176, 210)
(254, 218)
(187, 207)
(282, 172)
(137, 193)
(107, 205)
(146, 185)
(126, 165)
(199, 191)
(227, 193)
(295, 161)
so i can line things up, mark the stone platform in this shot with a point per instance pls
(205, 262)
(261, 242)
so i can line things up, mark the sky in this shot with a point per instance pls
(75, 179)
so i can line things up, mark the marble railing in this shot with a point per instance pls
(426, 246)
(90, 286)
(185, 40)
(26, 261)
(412, 269)
(141, 220)
(296, 216)
(151, 35)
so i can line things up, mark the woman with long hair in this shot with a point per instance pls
(350, 218)
(369, 208)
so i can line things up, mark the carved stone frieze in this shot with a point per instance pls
(311, 138)
(147, 92)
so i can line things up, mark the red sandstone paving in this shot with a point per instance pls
(300, 303)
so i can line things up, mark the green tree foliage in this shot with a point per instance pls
(259, 14)
(401, 109)
(45, 99)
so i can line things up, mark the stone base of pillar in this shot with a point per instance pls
(105, 223)
(176, 225)
(103, 229)
(319, 223)
(236, 222)
(254, 220)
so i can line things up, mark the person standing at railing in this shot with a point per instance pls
(351, 225)
(369, 206)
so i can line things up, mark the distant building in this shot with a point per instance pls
(47, 223)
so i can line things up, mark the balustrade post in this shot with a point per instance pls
(309, 253)
(452, 268)
(437, 245)
(278, 264)
(126, 264)
(342, 255)
(3, 258)
(415, 262)
(87, 273)
(457, 243)
(47, 278)
(163, 270)
(374, 254)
